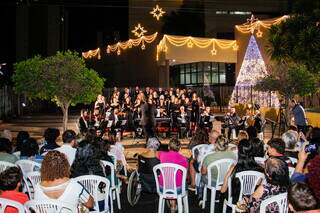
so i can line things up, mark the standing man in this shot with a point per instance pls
(299, 115)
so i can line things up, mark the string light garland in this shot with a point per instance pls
(253, 24)
(139, 30)
(120, 46)
(91, 54)
(157, 12)
(191, 42)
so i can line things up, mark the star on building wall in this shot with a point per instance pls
(139, 30)
(157, 12)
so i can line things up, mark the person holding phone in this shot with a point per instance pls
(308, 168)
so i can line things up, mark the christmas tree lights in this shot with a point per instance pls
(252, 69)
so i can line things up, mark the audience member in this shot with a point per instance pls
(87, 161)
(245, 162)
(56, 183)
(5, 151)
(173, 156)
(220, 152)
(50, 137)
(301, 199)
(21, 138)
(258, 147)
(30, 150)
(276, 149)
(69, 142)
(277, 182)
(10, 184)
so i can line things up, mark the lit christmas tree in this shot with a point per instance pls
(252, 69)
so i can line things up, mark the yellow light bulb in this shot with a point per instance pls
(118, 52)
(214, 52)
(190, 44)
(143, 47)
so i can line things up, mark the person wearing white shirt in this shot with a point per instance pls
(69, 142)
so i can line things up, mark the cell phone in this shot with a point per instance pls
(311, 148)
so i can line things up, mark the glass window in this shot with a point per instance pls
(222, 78)
(193, 67)
(200, 77)
(222, 67)
(207, 66)
(207, 78)
(187, 67)
(194, 78)
(214, 78)
(214, 67)
(182, 76)
(188, 78)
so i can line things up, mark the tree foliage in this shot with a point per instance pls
(288, 81)
(62, 78)
(297, 39)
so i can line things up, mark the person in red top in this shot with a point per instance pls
(10, 182)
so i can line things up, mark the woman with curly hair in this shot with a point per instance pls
(56, 182)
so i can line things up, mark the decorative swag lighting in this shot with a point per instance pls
(179, 41)
(92, 54)
(118, 47)
(253, 24)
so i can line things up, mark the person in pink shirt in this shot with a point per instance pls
(173, 156)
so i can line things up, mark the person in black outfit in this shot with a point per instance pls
(50, 137)
(148, 122)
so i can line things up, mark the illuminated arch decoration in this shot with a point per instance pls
(253, 24)
(157, 12)
(120, 46)
(92, 54)
(192, 42)
(252, 69)
(139, 30)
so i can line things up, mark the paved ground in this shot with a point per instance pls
(36, 125)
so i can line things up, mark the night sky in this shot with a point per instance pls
(85, 19)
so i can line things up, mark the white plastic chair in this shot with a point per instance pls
(248, 182)
(204, 151)
(27, 166)
(49, 206)
(222, 166)
(4, 203)
(117, 151)
(114, 189)
(91, 183)
(280, 199)
(32, 179)
(260, 160)
(169, 171)
(4, 165)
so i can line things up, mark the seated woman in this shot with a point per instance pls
(146, 161)
(277, 182)
(173, 156)
(30, 150)
(56, 183)
(245, 162)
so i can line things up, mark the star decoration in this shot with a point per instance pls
(157, 12)
(259, 34)
(213, 52)
(139, 31)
